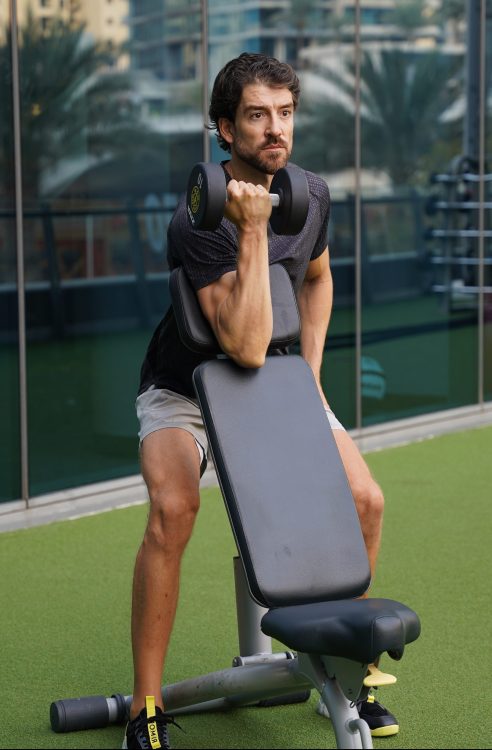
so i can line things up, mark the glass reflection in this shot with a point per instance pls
(111, 120)
(487, 307)
(111, 124)
(419, 253)
(9, 372)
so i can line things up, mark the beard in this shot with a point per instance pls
(267, 162)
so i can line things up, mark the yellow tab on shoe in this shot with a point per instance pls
(150, 706)
(376, 678)
(152, 726)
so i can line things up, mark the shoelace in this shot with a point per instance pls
(374, 707)
(161, 720)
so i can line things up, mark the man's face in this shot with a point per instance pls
(262, 132)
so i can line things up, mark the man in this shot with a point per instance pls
(252, 109)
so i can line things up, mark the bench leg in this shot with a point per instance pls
(249, 613)
(350, 730)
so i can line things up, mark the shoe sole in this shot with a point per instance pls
(388, 731)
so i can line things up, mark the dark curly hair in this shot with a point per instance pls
(236, 74)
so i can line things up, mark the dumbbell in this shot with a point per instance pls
(207, 196)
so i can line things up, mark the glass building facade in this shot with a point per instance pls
(103, 114)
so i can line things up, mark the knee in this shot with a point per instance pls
(171, 517)
(369, 501)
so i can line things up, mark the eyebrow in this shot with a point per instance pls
(264, 107)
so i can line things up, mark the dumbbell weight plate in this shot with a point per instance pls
(206, 196)
(290, 216)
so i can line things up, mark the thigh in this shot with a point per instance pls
(170, 462)
(159, 409)
(356, 469)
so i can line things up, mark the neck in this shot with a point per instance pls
(240, 170)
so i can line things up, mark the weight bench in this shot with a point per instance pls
(301, 563)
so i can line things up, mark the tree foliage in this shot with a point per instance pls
(403, 99)
(72, 102)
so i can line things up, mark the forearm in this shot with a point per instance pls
(244, 317)
(238, 305)
(315, 303)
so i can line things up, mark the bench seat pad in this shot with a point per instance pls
(357, 629)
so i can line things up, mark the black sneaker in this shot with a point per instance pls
(148, 730)
(380, 721)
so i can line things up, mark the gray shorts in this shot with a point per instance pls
(158, 408)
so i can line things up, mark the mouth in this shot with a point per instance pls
(273, 147)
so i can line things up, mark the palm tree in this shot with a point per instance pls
(72, 104)
(409, 16)
(403, 99)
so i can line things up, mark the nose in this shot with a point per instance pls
(274, 126)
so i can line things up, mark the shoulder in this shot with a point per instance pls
(205, 255)
(319, 194)
(179, 221)
(318, 188)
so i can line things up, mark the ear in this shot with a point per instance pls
(226, 129)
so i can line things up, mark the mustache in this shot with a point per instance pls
(275, 142)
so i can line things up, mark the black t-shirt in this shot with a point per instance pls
(206, 256)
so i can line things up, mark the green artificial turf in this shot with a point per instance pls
(65, 612)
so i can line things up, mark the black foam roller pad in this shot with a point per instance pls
(72, 714)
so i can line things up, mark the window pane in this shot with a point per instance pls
(9, 372)
(487, 341)
(111, 125)
(419, 249)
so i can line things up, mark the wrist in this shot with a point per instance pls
(252, 230)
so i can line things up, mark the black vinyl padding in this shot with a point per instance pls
(287, 495)
(195, 330)
(357, 629)
(283, 482)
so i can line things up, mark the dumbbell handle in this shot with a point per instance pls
(275, 199)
